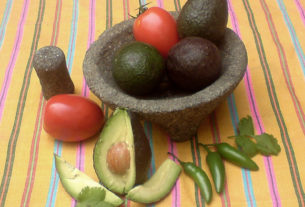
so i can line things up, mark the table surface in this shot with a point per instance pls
(272, 92)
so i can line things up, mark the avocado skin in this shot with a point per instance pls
(142, 149)
(138, 68)
(203, 18)
(193, 63)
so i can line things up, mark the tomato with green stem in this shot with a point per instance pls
(157, 27)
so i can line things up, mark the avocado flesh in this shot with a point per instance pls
(121, 127)
(158, 186)
(73, 181)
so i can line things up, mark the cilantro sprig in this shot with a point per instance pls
(92, 197)
(251, 143)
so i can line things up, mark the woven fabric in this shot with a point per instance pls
(272, 92)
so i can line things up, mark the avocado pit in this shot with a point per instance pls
(118, 158)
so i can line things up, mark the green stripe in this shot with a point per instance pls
(53, 41)
(284, 63)
(34, 152)
(195, 161)
(108, 19)
(177, 5)
(213, 123)
(20, 106)
(271, 91)
(108, 14)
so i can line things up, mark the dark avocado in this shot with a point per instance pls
(193, 63)
(122, 154)
(203, 18)
(138, 68)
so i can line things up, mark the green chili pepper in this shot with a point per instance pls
(235, 156)
(199, 177)
(216, 168)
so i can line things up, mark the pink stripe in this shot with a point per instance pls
(14, 55)
(301, 10)
(217, 139)
(160, 3)
(257, 120)
(80, 155)
(54, 181)
(176, 190)
(91, 38)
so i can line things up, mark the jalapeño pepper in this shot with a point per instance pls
(199, 177)
(235, 156)
(216, 168)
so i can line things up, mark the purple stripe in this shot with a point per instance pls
(301, 10)
(160, 3)
(257, 120)
(14, 55)
(176, 190)
(91, 37)
(80, 155)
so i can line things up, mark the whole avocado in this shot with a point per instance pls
(193, 63)
(138, 68)
(203, 18)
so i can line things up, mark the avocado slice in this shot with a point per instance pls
(158, 186)
(74, 181)
(122, 153)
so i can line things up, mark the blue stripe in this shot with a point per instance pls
(70, 58)
(4, 21)
(54, 177)
(293, 35)
(148, 132)
(248, 187)
(73, 30)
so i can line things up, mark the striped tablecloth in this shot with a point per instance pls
(272, 92)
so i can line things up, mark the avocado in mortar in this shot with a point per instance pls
(193, 63)
(122, 153)
(74, 181)
(203, 18)
(138, 68)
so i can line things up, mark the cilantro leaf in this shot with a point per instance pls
(94, 204)
(267, 144)
(92, 197)
(245, 126)
(246, 145)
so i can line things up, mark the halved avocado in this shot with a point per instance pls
(73, 181)
(122, 153)
(158, 186)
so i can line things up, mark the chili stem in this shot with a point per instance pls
(175, 157)
(205, 146)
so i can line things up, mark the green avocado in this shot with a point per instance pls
(122, 153)
(138, 68)
(158, 186)
(203, 18)
(193, 63)
(74, 181)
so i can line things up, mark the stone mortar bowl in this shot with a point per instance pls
(178, 113)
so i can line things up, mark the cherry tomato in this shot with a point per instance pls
(72, 118)
(156, 27)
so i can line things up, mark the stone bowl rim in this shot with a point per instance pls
(164, 105)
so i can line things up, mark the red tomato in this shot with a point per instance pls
(156, 27)
(72, 118)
